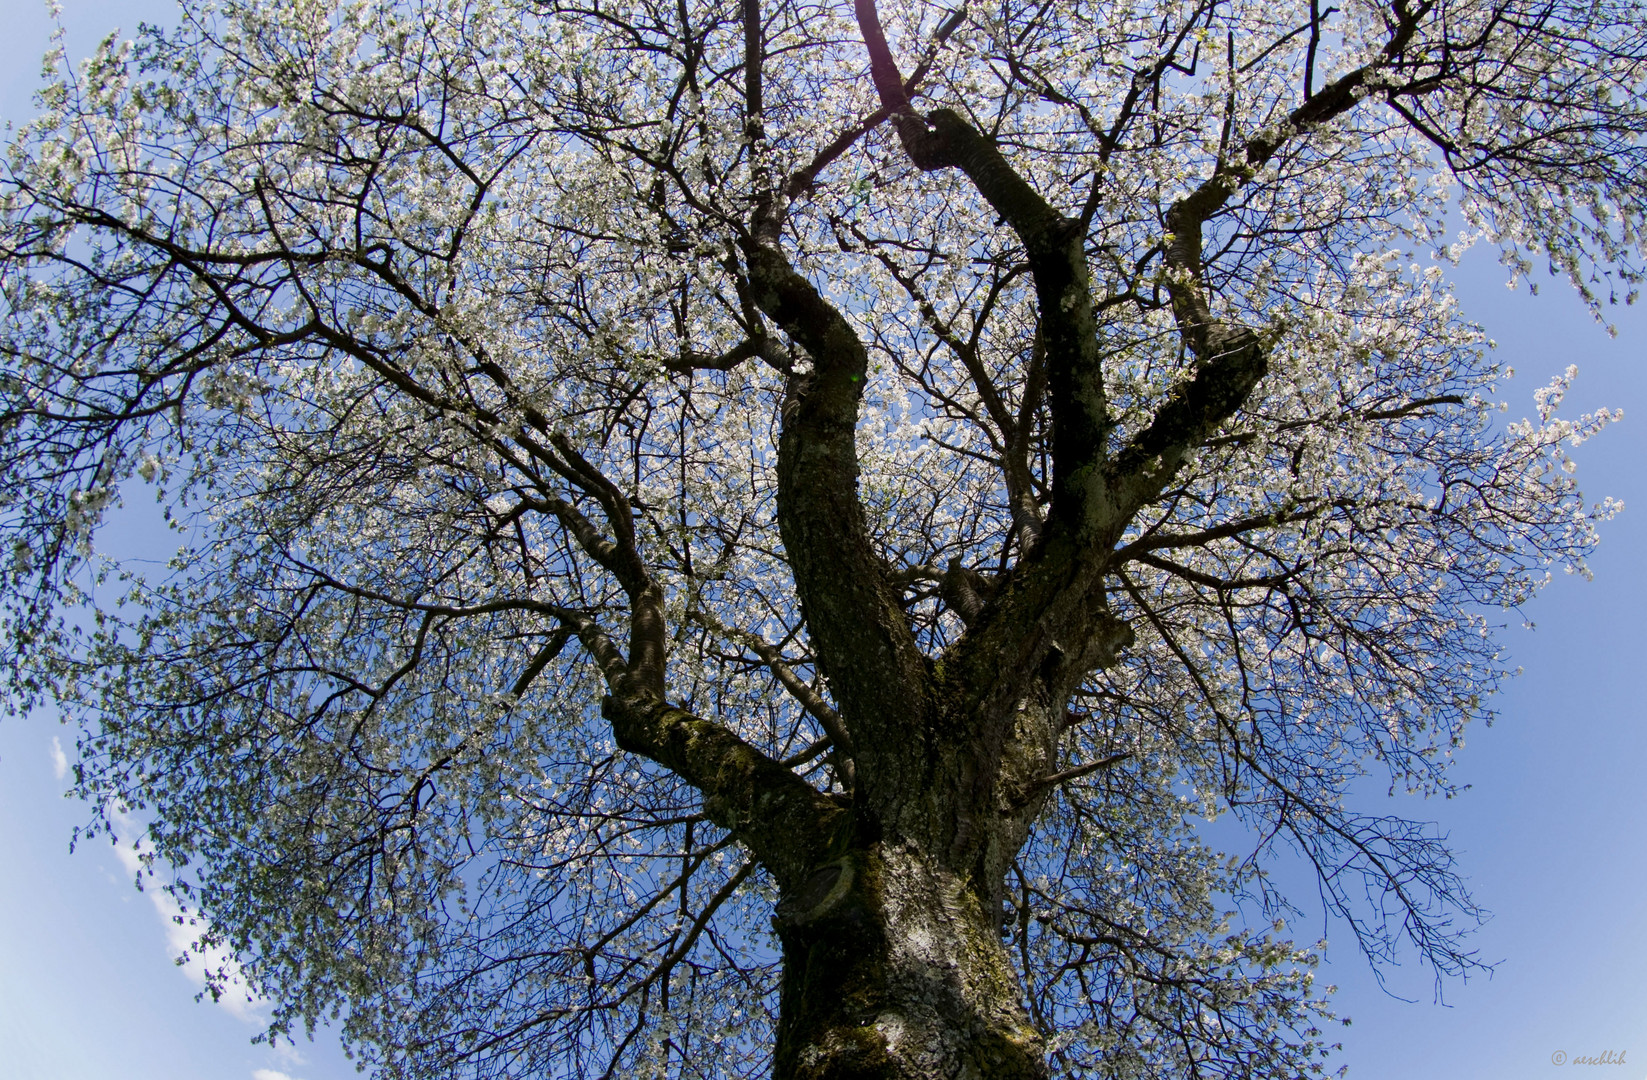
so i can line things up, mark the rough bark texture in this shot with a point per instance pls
(893, 968)
(893, 965)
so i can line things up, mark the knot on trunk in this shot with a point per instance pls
(1109, 636)
(818, 895)
(965, 591)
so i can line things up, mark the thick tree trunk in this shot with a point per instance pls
(894, 970)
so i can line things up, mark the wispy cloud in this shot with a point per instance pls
(269, 1074)
(59, 760)
(184, 930)
(288, 1054)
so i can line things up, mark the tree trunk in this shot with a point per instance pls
(894, 970)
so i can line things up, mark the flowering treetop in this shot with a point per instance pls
(637, 462)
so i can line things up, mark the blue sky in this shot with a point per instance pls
(1550, 836)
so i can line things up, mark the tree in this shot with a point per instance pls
(737, 538)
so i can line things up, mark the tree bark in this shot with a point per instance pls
(894, 970)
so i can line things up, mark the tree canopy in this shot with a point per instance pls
(730, 539)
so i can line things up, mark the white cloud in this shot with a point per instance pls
(182, 931)
(269, 1074)
(59, 760)
(288, 1054)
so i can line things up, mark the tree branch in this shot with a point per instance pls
(860, 634)
(944, 139)
(784, 821)
(810, 699)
